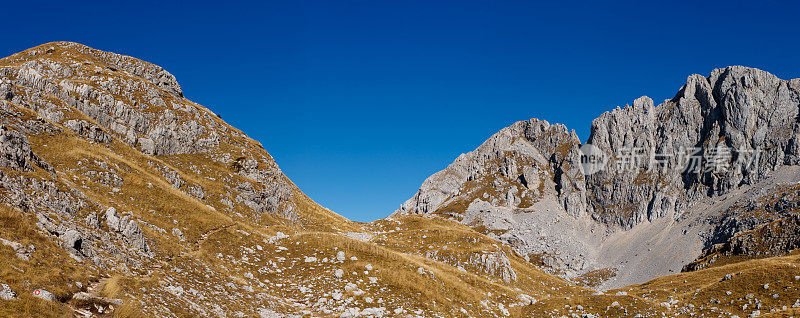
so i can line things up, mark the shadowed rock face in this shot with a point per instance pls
(726, 131)
(16, 151)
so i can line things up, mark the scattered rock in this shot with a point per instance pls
(87, 297)
(22, 252)
(6, 293)
(43, 294)
(178, 233)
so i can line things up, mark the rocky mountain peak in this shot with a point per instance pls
(720, 133)
(118, 196)
(80, 53)
(113, 103)
(526, 152)
(741, 118)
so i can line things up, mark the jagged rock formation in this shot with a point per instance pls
(531, 166)
(531, 151)
(761, 222)
(740, 119)
(16, 151)
(118, 196)
(720, 133)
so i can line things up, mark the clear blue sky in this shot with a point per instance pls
(360, 101)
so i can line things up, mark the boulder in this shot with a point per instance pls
(6, 293)
(44, 294)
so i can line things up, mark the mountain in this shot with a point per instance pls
(673, 181)
(119, 197)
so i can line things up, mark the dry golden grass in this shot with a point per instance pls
(594, 278)
(708, 288)
(444, 288)
(39, 272)
(146, 194)
(231, 246)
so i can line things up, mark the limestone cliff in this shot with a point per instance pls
(725, 132)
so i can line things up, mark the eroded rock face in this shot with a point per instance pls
(763, 221)
(747, 116)
(63, 92)
(15, 151)
(495, 263)
(526, 153)
(138, 102)
(740, 119)
(720, 133)
(88, 130)
(512, 188)
(129, 229)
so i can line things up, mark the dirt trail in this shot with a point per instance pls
(94, 288)
(206, 235)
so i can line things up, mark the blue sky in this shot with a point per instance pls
(360, 101)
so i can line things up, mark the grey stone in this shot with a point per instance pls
(88, 130)
(44, 294)
(113, 220)
(15, 151)
(527, 181)
(135, 237)
(88, 297)
(6, 293)
(21, 251)
(495, 263)
(73, 239)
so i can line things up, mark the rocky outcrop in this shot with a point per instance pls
(494, 263)
(44, 294)
(775, 238)
(15, 152)
(138, 102)
(528, 153)
(128, 228)
(276, 196)
(730, 129)
(513, 187)
(6, 293)
(88, 130)
(762, 222)
(718, 133)
(103, 97)
(22, 252)
(65, 90)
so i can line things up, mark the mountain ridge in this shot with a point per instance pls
(723, 105)
(120, 197)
